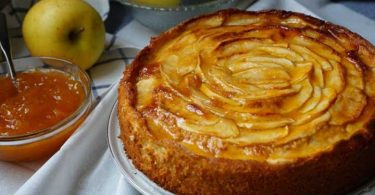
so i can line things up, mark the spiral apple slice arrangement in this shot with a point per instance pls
(231, 88)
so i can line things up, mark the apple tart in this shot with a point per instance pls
(238, 102)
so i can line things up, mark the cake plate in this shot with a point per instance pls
(135, 177)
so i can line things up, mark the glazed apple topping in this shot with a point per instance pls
(245, 81)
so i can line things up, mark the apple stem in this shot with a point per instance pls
(74, 34)
(81, 30)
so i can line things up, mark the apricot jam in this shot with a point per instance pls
(43, 101)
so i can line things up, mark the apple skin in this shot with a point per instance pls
(67, 29)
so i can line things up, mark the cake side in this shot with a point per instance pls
(177, 170)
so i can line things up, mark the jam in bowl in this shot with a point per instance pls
(38, 113)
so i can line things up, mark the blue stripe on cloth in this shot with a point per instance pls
(123, 57)
(105, 14)
(118, 17)
(107, 61)
(20, 9)
(111, 42)
(25, 56)
(32, 3)
(366, 8)
(96, 87)
(126, 59)
(101, 86)
(14, 12)
(99, 97)
(93, 89)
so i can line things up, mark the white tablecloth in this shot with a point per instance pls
(84, 164)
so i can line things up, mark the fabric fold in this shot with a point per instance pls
(64, 172)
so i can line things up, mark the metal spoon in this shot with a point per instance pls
(5, 48)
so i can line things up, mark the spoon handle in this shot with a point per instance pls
(5, 46)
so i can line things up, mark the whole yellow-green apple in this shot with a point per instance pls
(67, 29)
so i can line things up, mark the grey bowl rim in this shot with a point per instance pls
(176, 9)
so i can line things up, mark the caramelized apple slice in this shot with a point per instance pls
(270, 123)
(240, 46)
(185, 110)
(335, 78)
(274, 85)
(263, 75)
(210, 93)
(281, 52)
(292, 103)
(322, 50)
(268, 94)
(301, 72)
(310, 56)
(247, 137)
(313, 101)
(180, 107)
(328, 96)
(223, 78)
(305, 130)
(362, 120)
(145, 88)
(223, 128)
(281, 61)
(348, 106)
(236, 67)
(354, 74)
(174, 67)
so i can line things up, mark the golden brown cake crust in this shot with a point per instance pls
(339, 170)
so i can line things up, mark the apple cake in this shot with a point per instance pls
(240, 102)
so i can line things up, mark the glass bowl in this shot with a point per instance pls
(162, 18)
(44, 142)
